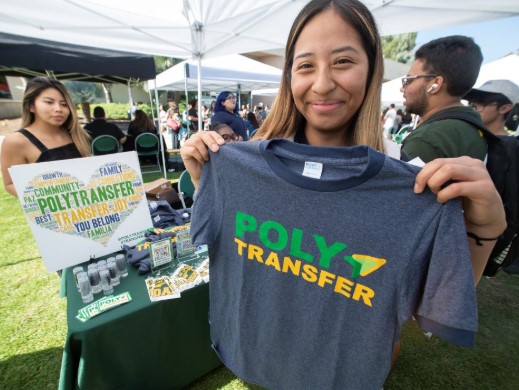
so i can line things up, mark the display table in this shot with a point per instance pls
(140, 344)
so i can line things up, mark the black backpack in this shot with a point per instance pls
(503, 167)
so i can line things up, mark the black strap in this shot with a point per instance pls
(35, 141)
(479, 239)
(461, 115)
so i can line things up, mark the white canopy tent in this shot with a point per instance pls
(232, 72)
(505, 68)
(201, 29)
(391, 92)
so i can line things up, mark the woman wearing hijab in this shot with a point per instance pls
(226, 111)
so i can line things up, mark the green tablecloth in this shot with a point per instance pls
(139, 345)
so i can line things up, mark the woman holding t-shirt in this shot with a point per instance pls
(329, 96)
(50, 129)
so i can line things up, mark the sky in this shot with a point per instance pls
(496, 38)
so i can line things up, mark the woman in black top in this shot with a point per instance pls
(50, 129)
(143, 124)
(192, 115)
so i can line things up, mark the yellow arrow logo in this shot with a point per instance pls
(363, 264)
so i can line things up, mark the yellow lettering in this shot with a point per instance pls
(365, 292)
(295, 267)
(241, 245)
(325, 277)
(309, 273)
(273, 261)
(255, 251)
(343, 286)
(120, 205)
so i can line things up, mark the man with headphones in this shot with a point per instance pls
(444, 70)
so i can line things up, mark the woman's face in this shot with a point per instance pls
(229, 103)
(329, 76)
(51, 107)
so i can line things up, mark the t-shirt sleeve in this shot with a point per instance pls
(207, 210)
(445, 302)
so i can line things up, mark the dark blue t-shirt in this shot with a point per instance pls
(314, 275)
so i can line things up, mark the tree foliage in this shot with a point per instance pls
(399, 47)
(82, 91)
(164, 63)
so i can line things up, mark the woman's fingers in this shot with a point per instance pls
(197, 146)
(440, 174)
(469, 179)
(195, 152)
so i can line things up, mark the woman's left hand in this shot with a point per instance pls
(468, 178)
(484, 213)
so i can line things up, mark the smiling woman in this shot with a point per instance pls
(328, 104)
(50, 129)
(329, 79)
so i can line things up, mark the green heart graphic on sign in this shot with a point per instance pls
(61, 203)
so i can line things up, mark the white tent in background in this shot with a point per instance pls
(201, 29)
(391, 92)
(232, 72)
(265, 92)
(505, 68)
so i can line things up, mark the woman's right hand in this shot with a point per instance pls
(195, 152)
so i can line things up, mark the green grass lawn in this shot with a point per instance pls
(33, 327)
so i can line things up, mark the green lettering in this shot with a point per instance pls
(93, 196)
(42, 204)
(129, 188)
(327, 252)
(84, 197)
(295, 246)
(244, 223)
(101, 193)
(282, 239)
(66, 197)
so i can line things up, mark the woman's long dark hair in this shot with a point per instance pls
(284, 119)
(34, 88)
(143, 123)
(252, 119)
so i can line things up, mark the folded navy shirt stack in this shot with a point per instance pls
(165, 223)
(163, 215)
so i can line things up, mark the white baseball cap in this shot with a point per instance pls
(505, 87)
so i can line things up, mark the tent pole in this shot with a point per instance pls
(239, 97)
(158, 131)
(131, 100)
(186, 75)
(151, 105)
(199, 93)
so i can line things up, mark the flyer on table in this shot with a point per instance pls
(83, 207)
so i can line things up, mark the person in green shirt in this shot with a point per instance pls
(444, 70)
